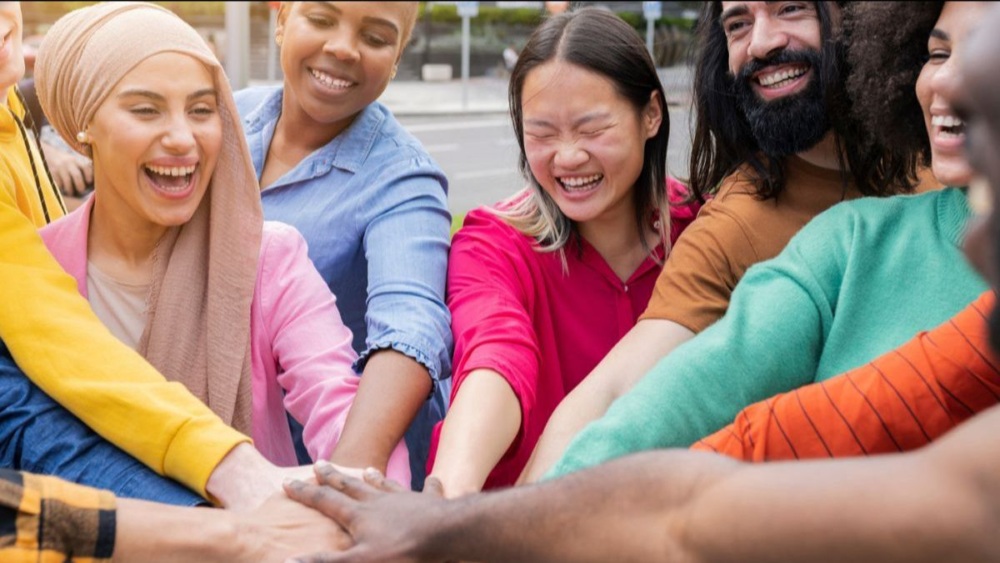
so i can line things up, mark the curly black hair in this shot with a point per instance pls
(887, 48)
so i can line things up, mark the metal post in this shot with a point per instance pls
(238, 44)
(649, 38)
(272, 49)
(465, 61)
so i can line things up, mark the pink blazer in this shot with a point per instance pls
(301, 350)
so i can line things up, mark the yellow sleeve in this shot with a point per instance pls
(61, 345)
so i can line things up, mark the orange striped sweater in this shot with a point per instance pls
(900, 401)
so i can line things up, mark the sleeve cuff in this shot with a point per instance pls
(433, 367)
(197, 449)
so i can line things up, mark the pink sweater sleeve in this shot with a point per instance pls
(488, 272)
(312, 346)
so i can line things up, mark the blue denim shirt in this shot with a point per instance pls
(372, 205)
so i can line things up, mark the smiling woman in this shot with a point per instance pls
(372, 204)
(172, 251)
(544, 284)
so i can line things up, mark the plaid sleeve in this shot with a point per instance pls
(46, 519)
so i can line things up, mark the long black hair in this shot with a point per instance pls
(723, 141)
(599, 41)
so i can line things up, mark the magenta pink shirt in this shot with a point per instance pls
(516, 312)
(301, 351)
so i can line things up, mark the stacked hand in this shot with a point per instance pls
(386, 521)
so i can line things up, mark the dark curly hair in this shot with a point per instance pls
(887, 47)
(723, 141)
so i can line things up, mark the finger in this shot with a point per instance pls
(88, 171)
(357, 554)
(433, 486)
(327, 474)
(327, 501)
(77, 182)
(375, 478)
(62, 181)
(318, 558)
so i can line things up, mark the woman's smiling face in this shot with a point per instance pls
(155, 141)
(338, 57)
(945, 130)
(584, 142)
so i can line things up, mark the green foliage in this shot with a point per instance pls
(456, 222)
(180, 8)
(530, 17)
(488, 15)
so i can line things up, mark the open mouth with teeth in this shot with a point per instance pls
(329, 81)
(576, 184)
(782, 77)
(172, 180)
(948, 126)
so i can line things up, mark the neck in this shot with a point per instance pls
(823, 154)
(4, 94)
(296, 131)
(121, 245)
(617, 240)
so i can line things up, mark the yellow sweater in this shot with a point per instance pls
(39, 200)
(64, 348)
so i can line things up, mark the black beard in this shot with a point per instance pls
(787, 125)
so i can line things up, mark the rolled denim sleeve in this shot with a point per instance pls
(406, 245)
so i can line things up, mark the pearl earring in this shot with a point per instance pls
(81, 138)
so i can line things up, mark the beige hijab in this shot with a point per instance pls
(198, 328)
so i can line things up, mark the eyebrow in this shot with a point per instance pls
(365, 19)
(740, 10)
(940, 34)
(582, 120)
(159, 97)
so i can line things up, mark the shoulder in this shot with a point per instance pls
(393, 137)
(490, 234)
(280, 242)
(66, 228)
(249, 99)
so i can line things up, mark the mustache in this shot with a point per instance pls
(810, 57)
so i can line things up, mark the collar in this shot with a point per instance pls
(348, 151)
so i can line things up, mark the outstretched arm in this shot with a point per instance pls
(633, 356)
(694, 506)
(481, 425)
(409, 340)
(56, 339)
(900, 401)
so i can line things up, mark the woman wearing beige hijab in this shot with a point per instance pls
(172, 251)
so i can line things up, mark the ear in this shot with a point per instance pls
(652, 115)
(279, 30)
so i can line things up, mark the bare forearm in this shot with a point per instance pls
(275, 531)
(163, 533)
(243, 479)
(480, 427)
(633, 356)
(393, 387)
(941, 503)
(619, 511)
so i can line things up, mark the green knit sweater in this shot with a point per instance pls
(857, 281)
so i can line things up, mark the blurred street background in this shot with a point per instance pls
(463, 123)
